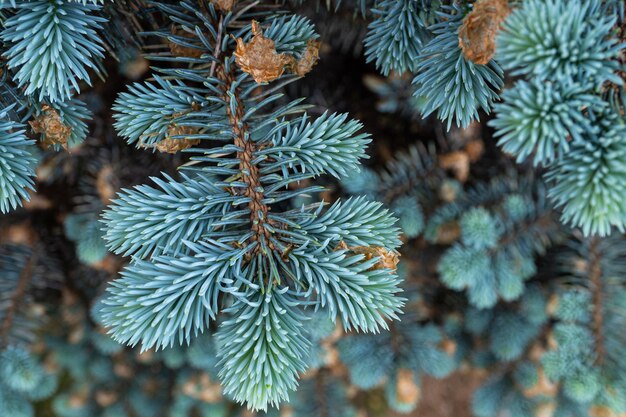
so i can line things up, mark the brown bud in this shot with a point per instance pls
(603, 411)
(552, 305)
(37, 201)
(448, 192)
(474, 149)
(202, 388)
(146, 356)
(536, 352)
(122, 370)
(223, 5)
(458, 162)
(50, 125)
(105, 397)
(106, 184)
(78, 399)
(581, 265)
(19, 233)
(543, 387)
(331, 354)
(388, 259)
(171, 145)
(477, 35)
(545, 409)
(308, 59)
(407, 391)
(259, 57)
(448, 233)
(182, 50)
(449, 346)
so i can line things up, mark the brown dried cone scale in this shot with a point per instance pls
(50, 125)
(477, 35)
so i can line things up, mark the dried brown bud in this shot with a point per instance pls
(202, 388)
(37, 202)
(106, 184)
(543, 387)
(223, 5)
(171, 145)
(331, 354)
(308, 59)
(50, 125)
(553, 305)
(553, 344)
(182, 50)
(448, 192)
(475, 149)
(105, 397)
(458, 162)
(448, 233)
(581, 265)
(122, 370)
(536, 351)
(135, 68)
(477, 35)
(259, 57)
(109, 264)
(146, 356)
(407, 391)
(449, 346)
(388, 259)
(603, 411)
(78, 399)
(545, 409)
(19, 233)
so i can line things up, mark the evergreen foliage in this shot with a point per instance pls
(417, 351)
(496, 249)
(589, 181)
(586, 357)
(16, 165)
(398, 33)
(408, 186)
(269, 265)
(85, 231)
(50, 48)
(23, 379)
(256, 267)
(551, 40)
(53, 45)
(562, 71)
(453, 86)
(539, 118)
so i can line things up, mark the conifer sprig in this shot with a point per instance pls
(53, 46)
(224, 241)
